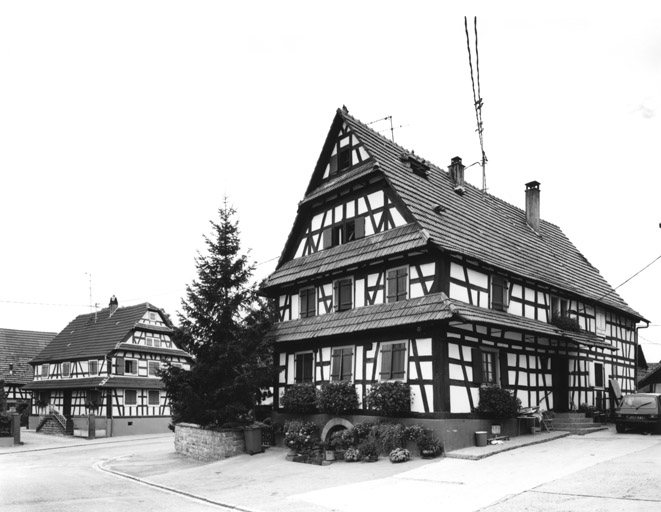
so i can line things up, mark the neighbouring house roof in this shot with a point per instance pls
(475, 224)
(651, 376)
(17, 348)
(97, 382)
(97, 334)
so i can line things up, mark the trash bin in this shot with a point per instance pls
(253, 439)
(481, 438)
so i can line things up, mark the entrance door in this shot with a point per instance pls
(66, 403)
(560, 372)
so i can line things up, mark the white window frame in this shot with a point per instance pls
(149, 395)
(152, 363)
(89, 367)
(67, 365)
(496, 366)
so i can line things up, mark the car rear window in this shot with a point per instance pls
(640, 402)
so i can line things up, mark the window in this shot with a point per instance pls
(307, 300)
(342, 363)
(303, 367)
(343, 294)
(154, 397)
(341, 157)
(131, 366)
(152, 316)
(130, 397)
(489, 368)
(346, 231)
(499, 295)
(559, 307)
(66, 369)
(598, 375)
(44, 397)
(154, 366)
(601, 322)
(94, 397)
(93, 367)
(44, 370)
(397, 285)
(393, 361)
(153, 341)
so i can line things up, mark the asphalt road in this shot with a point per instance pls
(68, 479)
(603, 471)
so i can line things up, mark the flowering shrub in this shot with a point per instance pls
(369, 448)
(415, 432)
(390, 436)
(337, 397)
(352, 455)
(390, 398)
(496, 402)
(300, 435)
(342, 439)
(300, 398)
(362, 430)
(399, 455)
(429, 445)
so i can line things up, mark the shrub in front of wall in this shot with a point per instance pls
(300, 399)
(390, 398)
(337, 397)
(390, 436)
(496, 402)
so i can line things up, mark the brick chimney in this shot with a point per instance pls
(113, 305)
(457, 171)
(532, 205)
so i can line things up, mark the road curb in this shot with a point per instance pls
(100, 466)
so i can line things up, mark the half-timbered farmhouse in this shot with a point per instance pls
(105, 364)
(17, 348)
(398, 269)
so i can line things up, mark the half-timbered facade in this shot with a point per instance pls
(17, 348)
(106, 363)
(397, 269)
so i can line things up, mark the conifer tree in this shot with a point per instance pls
(224, 325)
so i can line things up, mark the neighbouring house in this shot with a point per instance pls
(396, 269)
(105, 364)
(17, 348)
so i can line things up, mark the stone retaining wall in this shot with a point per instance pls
(207, 444)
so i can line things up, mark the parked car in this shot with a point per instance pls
(641, 411)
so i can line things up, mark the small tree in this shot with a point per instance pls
(224, 326)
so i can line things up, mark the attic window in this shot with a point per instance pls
(418, 165)
(438, 208)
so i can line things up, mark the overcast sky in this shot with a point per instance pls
(124, 124)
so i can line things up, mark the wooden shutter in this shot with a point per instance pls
(347, 364)
(327, 238)
(504, 373)
(360, 227)
(119, 369)
(477, 366)
(308, 368)
(398, 360)
(386, 362)
(498, 289)
(401, 284)
(336, 365)
(392, 285)
(343, 296)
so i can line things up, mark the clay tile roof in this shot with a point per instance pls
(95, 335)
(18, 348)
(476, 224)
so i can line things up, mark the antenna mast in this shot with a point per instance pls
(477, 98)
(90, 286)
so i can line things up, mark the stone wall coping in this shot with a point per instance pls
(211, 429)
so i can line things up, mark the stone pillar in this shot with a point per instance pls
(91, 430)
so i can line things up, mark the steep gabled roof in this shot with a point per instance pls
(96, 334)
(18, 348)
(474, 224)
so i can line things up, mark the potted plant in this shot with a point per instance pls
(352, 455)
(399, 455)
(369, 449)
(429, 446)
(300, 436)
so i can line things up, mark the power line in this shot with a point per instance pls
(43, 304)
(625, 282)
(477, 97)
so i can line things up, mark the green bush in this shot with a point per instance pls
(390, 398)
(390, 436)
(337, 397)
(369, 448)
(300, 399)
(342, 439)
(496, 402)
